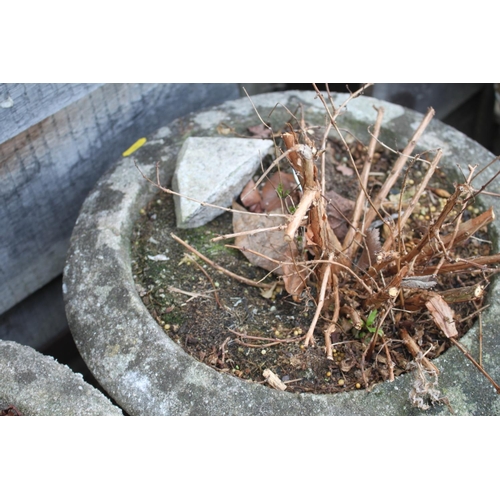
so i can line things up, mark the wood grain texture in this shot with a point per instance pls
(47, 170)
(22, 105)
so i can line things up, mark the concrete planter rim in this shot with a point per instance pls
(37, 385)
(148, 374)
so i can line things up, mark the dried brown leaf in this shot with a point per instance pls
(270, 244)
(278, 182)
(251, 198)
(373, 246)
(345, 170)
(294, 277)
(338, 209)
(347, 364)
(442, 193)
(442, 314)
(260, 131)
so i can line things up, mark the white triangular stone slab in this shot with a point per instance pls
(213, 170)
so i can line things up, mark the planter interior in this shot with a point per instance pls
(148, 374)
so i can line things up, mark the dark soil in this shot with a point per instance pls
(233, 329)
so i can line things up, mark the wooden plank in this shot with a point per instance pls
(46, 171)
(22, 105)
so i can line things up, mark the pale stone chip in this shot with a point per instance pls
(213, 170)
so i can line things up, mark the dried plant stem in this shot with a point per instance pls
(489, 193)
(463, 294)
(434, 229)
(363, 182)
(328, 344)
(350, 271)
(202, 203)
(462, 265)
(490, 180)
(323, 158)
(321, 300)
(451, 296)
(288, 152)
(254, 252)
(389, 362)
(252, 231)
(475, 313)
(290, 140)
(216, 294)
(476, 364)
(268, 344)
(193, 295)
(480, 339)
(255, 109)
(359, 236)
(396, 170)
(415, 351)
(465, 231)
(371, 346)
(485, 167)
(411, 206)
(241, 279)
(336, 112)
(309, 196)
(335, 316)
(350, 312)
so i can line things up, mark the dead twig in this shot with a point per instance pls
(480, 339)
(476, 364)
(389, 362)
(193, 295)
(481, 263)
(335, 316)
(336, 112)
(237, 277)
(321, 300)
(251, 231)
(202, 203)
(398, 166)
(363, 183)
(267, 344)
(415, 351)
(216, 295)
(273, 380)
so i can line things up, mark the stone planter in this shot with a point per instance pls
(148, 374)
(37, 385)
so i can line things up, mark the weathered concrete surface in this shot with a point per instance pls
(38, 385)
(213, 170)
(148, 374)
